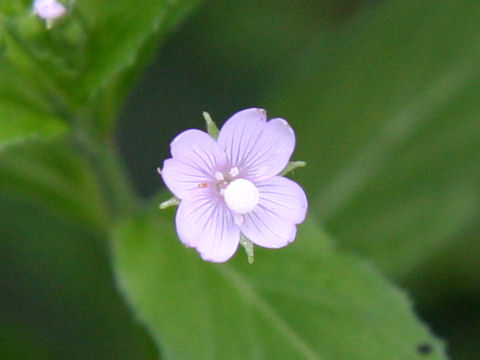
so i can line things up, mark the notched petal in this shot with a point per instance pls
(259, 148)
(240, 132)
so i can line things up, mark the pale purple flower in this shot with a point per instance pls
(231, 186)
(48, 9)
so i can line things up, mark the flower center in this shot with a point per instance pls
(241, 196)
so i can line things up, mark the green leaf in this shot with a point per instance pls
(18, 124)
(24, 114)
(119, 30)
(53, 174)
(83, 66)
(388, 119)
(306, 301)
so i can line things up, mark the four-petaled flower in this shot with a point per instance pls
(231, 187)
(48, 9)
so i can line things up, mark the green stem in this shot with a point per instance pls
(105, 161)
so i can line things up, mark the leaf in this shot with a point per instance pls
(57, 298)
(18, 124)
(119, 30)
(306, 301)
(84, 65)
(23, 114)
(53, 174)
(387, 118)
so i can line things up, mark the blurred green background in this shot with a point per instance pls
(384, 98)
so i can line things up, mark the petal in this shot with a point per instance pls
(198, 149)
(266, 228)
(260, 149)
(49, 9)
(282, 204)
(181, 177)
(196, 158)
(284, 197)
(240, 129)
(204, 222)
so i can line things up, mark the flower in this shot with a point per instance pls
(231, 187)
(48, 9)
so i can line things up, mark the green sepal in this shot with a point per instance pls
(212, 129)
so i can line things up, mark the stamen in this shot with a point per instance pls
(234, 171)
(219, 176)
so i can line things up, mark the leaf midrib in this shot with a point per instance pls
(251, 296)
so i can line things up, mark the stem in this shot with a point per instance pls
(105, 161)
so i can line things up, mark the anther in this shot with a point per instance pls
(234, 171)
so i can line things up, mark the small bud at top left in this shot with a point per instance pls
(48, 9)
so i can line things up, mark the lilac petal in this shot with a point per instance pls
(284, 197)
(48, 9)
(241, 128)
(282, 205)
(196, 157)
(265, 228)
(204, 222)
(181, 177)
(199, 149)
(260, 149)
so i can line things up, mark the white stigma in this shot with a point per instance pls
(241, 196)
